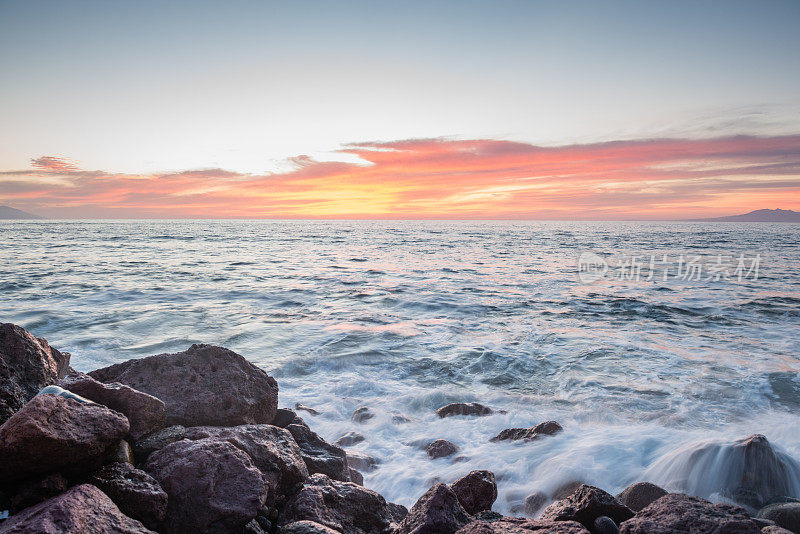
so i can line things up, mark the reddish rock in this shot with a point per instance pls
(212, 486)
(476, 491)
(548, 428)
(144, 447)
(34, 491)
(356, 477)
(307, 527)
(518, 525)
(285, 417)
(398, 512)
(342, 506)
(273, 451)
(463, 408)
(319, 455)
(436, 512)
(52, 433)
(676, 512)
(441, 448)
(204, 385)
(136, 493)
(83, 509)
(27, 364)
(145, 413)
(586, 504)
(640, 495)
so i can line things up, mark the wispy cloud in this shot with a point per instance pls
(444, 178)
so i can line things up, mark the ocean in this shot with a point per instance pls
(639, 338)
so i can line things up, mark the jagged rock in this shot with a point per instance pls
(307, 527)
(145, 413)
(136, 493)
(305, 408)
(548, 428)
(604, 525)
(362, 462)
(676, 512)
(639, 495)
(121, 453)
(159, 439)
(351, 438)
(27, 364)
(83, 509)
(52, 433)
(32, 492)
(319, 455)
(398, 512)
(284, 417)
(342, 506)
(534, 503)
(476, 491)
(362, 415)
(356, 477)
(441, 448)
(786, 515)
(775, 529)
(273, 451)
(463, 408)
(204, 385)
(519, 525)
(586, 504)
(212, 486)
(436, 512)
(253, 527)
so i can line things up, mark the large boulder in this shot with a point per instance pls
(519, 525)
(52, 433)
(463, 408)
(586, 504)
(436, 512)
(639, 495)
(145, 413)
(342, 506)
(213, 487)
(548, 428)
(476, 491)
(83, 509)
(677, 512)
(36, 490)
(204, 385)
(786, 515)
(135, 492)
(273, 451)
(27, 364)
(319, 455)
(441, 448)
(145, 446)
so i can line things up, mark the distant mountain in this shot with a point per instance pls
(7, 212)
(759, 216)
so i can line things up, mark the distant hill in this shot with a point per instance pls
(7, 212)
(777, 215)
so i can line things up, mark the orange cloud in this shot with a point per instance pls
(444, 178)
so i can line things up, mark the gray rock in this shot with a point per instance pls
(307, 527)
(136, 493)
(362, 415)
(676, 512)
(604, 525)
(585, 505)
(159, 439)
(639, 495)
(351, 438)
(436, 512)
(441, 448)
(786, 515)
(476, 491)
(319, 455)
(463, 408)
(548, 428)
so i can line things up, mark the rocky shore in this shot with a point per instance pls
(195, 442)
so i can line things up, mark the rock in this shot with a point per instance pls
(676, 512)
(441, 448)
(145, 413)
(319, 455)
(27, 364)
(307, 527)
(342, 506)
(136, 493)
(58, 390)
(356, 477)
(774, 529)
(786, 515)
(33, 492)
(305, 408)
(272, 450)
(586, 504)
(121, 453)
(204, 385)
(83, 509)
(362, 462)
(253, 528)
(519, 525)
(780, 499)
(399, 419)
(548, 428)
(157, 440)
(362, 415)
(638, 496)
(463, 408)
(566, 489)
(476, 491)
(351, 438)
(534, 503)
(212, 486)
(604, 525)
(284, 417)
(398, 512)
(52, 433)
(436, 512)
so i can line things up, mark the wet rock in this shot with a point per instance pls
(548, 428)
(307, 527)
(52, 433)
(159, 439)
(437, 511)
(272, 450)
(82, 509)
(212, 486)
(441, 448)
(33, 492)
(319, 455)
(398, 512)
(604, 525)
(761, 523)
(774, 529)
(786, 515)
(518, 525)
(284, 417)
(122, 452)
(362, 462)
(204, 385)
(476, 491)
(136, 493)
(398, 419)
(253, 527)
(356, 477)
(566, 489)
(362, 415)
(639, 495)
(463, 408)
(351, 438)
(342, 506)
(534, 503)
(303, 407)
(27, 364)
(676, 512)
(781, 499)
(145, 413)
(586, 504)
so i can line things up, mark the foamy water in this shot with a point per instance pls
(404, 317)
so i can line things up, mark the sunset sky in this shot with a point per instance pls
(587, 110)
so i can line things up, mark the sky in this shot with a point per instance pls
(437, 109)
